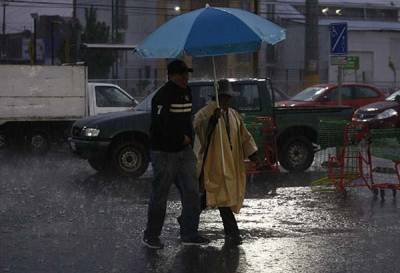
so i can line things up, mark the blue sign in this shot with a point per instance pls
(338, 33)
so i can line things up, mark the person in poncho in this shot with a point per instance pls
(222, 144)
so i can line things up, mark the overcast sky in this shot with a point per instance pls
(18, 16)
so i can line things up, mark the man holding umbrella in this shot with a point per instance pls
(210, 31)
(173, 158)
(221, 163)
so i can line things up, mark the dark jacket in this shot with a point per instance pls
(171, 118)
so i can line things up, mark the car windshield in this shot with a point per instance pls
(110, 96)
(309, 94)
(393, 96)
(145, 105)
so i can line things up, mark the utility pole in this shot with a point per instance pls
(112, 20)
(75, 31)
(74, 9)
(35, 16)
(311, 43)
(112, 37)
(4, 17)
(116, 36)
(52, 42)
(3, 40)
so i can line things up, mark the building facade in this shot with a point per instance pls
(373, 36)
(133, 21)
(54, 42)
(129, 23)
(372, 27)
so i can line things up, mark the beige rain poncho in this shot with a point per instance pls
(223, 189)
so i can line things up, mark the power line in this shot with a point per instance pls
(141, 10)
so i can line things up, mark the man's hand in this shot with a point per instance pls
(217, 113)
(215, 117)
(186, 140)
(254, 158)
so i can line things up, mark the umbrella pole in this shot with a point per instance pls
(219, 123)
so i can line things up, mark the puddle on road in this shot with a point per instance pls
(65, 214)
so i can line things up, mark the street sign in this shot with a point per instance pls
(353, 63)
(338, 60)
(338, 34)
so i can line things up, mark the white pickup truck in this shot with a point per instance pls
(38, 104)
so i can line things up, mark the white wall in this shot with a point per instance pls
(374, 49)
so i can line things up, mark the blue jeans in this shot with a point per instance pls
(174, 168)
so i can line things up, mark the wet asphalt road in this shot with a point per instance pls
(58, 215)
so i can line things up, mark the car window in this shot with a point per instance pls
(346, 93)
(145, 105)
(249, 98)
(393, 96)
(279, 95)
(109, 96)
(309, 94)
(363, 92)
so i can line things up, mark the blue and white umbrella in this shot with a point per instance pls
(210, 31)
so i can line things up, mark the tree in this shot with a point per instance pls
(98, 61)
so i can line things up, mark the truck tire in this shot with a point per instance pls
(296, 154)
(130, 158)
(39, 143)
(3, 141)
(98, 164)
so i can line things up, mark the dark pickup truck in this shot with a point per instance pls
(119, 142)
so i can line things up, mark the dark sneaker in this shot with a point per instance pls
(195, 241)
(153, 243)
(179, 219)
(233, 240)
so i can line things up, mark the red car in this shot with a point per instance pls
(384, 114)
(353, 94)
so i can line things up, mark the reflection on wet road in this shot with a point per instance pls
(57, 215)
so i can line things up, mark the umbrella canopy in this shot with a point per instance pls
(210, 31)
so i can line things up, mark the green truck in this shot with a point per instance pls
(119, 142)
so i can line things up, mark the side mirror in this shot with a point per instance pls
(397, 99)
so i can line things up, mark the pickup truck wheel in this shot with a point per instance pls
(130, 159)
(3, 141)
(97, 164)
(39, 143)
(297, 154)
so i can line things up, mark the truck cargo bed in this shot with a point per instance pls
(30, 93)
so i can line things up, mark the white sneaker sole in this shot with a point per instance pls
(194, 244)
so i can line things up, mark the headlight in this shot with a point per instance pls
(387, 114)
(90, 132)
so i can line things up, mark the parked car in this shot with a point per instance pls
(384, 114)
(354, 95)
(38, 104)
(121, 143)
